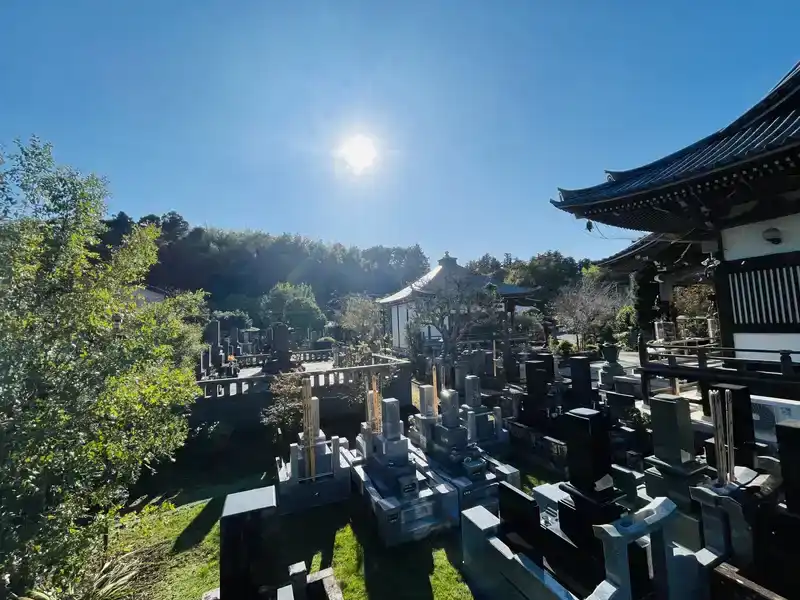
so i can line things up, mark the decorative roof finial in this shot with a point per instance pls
(447, 259)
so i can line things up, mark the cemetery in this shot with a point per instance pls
(667, 489)
(298, 420)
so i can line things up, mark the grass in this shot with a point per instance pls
(182, 547)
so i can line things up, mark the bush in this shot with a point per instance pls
(562, 347)
(626, 340)
(625, 319)
(323, 343)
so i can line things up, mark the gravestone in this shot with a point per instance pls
(611, 367)
(450, 450)
(280, 346)
(211, 333)
(484, 424)
(591, 496)
(744, 439)
(582, 394)
(408, 502)
(249, 519)
(549, 363)
(316, 473)
(619, 405)
(673, 468)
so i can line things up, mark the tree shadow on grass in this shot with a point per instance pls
(196, 531)
(391, 573)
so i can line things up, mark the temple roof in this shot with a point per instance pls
(677, 254)
(448, 269)
(770, 126)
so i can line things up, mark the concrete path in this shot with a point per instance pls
(315, 367)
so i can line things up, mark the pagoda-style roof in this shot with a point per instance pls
(677, 254)
(447, 272)
(763, 143)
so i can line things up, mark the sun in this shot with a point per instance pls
(359, 153)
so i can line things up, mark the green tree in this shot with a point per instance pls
(549, 272)
(644, 291)
(294, 305)
(488, 265)
(363, 316)
(458, 307)
(94, 385)
(692, 300)
(232, 318)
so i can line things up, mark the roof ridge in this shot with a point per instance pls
(788, 84)
(786, 89)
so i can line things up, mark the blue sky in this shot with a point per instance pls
(229, 111)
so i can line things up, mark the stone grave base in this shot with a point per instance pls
(300, 496)
(404, 519)
(535, 448)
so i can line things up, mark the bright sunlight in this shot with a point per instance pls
(359, 153)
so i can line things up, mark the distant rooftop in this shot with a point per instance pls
(449, 269)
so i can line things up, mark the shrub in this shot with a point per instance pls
(625, 319)
(562, 347)
(323, 343)
(625, 340)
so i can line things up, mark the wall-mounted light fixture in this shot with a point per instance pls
(773, 235)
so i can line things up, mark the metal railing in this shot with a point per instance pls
(708, 365)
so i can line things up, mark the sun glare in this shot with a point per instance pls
(359, 153)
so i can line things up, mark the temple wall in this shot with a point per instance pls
(765, 341)
(747, 241)
(401, 314)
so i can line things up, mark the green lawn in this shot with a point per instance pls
(182, 547)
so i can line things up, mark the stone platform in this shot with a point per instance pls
(409, 502)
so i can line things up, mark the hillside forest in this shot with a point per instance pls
(254, 272)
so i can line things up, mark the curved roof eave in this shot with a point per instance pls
(772, 101)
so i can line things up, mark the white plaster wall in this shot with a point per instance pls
(400, 316)
(747, 241)
(402, 312)
(765, 341)
(395, 334)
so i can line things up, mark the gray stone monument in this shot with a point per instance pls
(316, 473)
(484, 424)
(611, 367)
(674, 469)
(409, 502)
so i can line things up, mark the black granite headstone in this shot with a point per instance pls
(788, 434)
(743, 428)
(536, 383)
(549, 364)
(248, 521)
(211, 334)
(619, 404)
(588, 449)
(673, 438)
(280, 337)
(581, 376)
